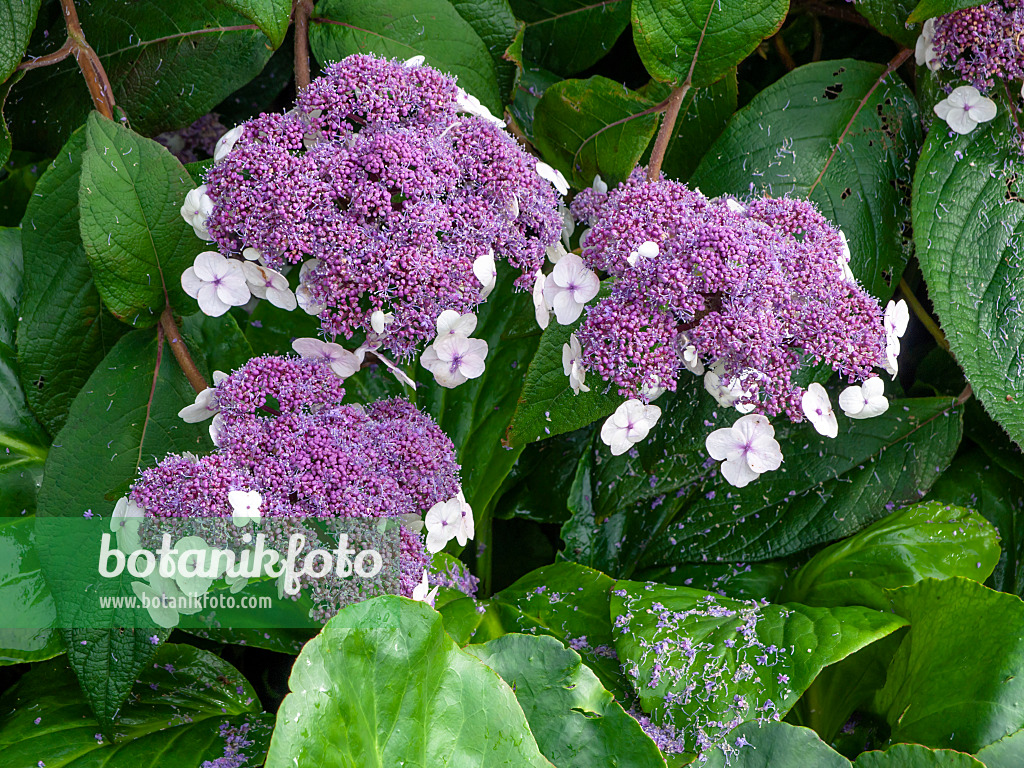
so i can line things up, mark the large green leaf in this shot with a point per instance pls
(124, 420)
(138, 244)
(383, 684)
(502, 33)
(25, 598)
(568, 36)
(271, 16)
(168, 64)
(777, 745)
(594, 126)
(786, 141)
(709, 36)
(63, 330)
(915, 756)
(890, 18)
(956, 680)
(1008, 752)
(566, 601)
(405, 28)
(929, 540)
(576, 722)
(968, 226)
(674, 641)
(17, 18)
(183, 709)
(6, 141)
(926, 9)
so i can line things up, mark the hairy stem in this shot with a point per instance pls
(88, 62)
(668, 124)
(964, 396)
(181, 354)
(783, 51)
(301, 11)
(922, 314)
(51, 58)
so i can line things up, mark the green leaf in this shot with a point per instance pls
(138, 244)
(271, 16)
(25, 597)
(740, 581)
(63, 330)
(586, 127)
(1008, 752)
(532, 84)
(568, 36)
(576, 722)
(927, 9)
(778, 745)
(18, 19)
(709, 37)
(670, 638)
(383, 683)
(786, 141)
(461, 617)
(6, 142)
(974, 480)
(968, 223)
(544, 477)
(890, 18)
(168, 64)
(568, 602)
(178, 707)
(929, 540)
(124, 420)
(404, 28)
(547, 405)
(502, 33)
(955, 681)
(915, 756)
(219, 340)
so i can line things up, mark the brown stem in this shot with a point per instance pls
(188, 367)
(783, 51)
(675, 102)
(964, 396)
(922, 314)
(51, 58)
(301, 11)
(88, 62)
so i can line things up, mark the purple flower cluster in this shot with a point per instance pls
(377, 177)
(282, 431)
(754, 291)
(982, 44)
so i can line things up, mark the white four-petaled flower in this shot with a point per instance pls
(303, 297)
(454, 359)
(747, 449)
(226, 143)
(541, 309)
(196, 210)
(265, 283)
(865, 401)
(444, 522)
(342, 362)
(572, 365)
(647, 250)
(206, 404)
(554, 176)
(451, 322)
(245, 507)
(924, 52)
(844, 260)
(379, 320)
(422, 593)
(631, 423)
(818, 410)
(896, 318)
(965, 108)
(216, 283)
(125, 522)
(486, 273)
(725, 391)
(569, 287)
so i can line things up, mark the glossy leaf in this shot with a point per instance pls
(271, 16)
(179, 706)
(404, 28)
(24, 595)
(6, 141)
(930, 540)
(532, 84)
(124, 420)
(890, 18)
(568, 36)
(136, 240)
(18, 18)
(968, 221)
(1008, 752)
(383, 682)
(709, 37)
(926, 9)
(594, 126)
(63, 330)
(576, 722)
(915, 756)
(784, 142)
(168, 64)
(954, 681)
(502, 33)
(217, 339)
(778, 745)
(670, 638)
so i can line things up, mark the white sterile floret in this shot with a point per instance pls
(569, 287)
(600, 185)
(554, 176)
(965, 108)
(692, 361)
(924, 51)
(217, 429)
(342, 361)
(265, 283)
(379, 320)
(414, 61)
(651, 392)
(252, 254)
(725, 392)
(896, 318)
(572, 365)
(468, 524)
(226, 143)
(818, 410)
(444, 522)
(541, 308)
(125, 522)
(422, 593)
(206, 404)
(631, 423)
(303, 296)
(513, 207)
(844, 259)
(647, 250)
(735, 205)
(216, 283)
(556, 252)
(196, 210)
(568, 222)
(391, 365)
(453, 359)
(193, 558)
(471, 105)
(451, 322)
(245, 507)
(747, 449)
(865, 401)
(161, 601)
(486, 273)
